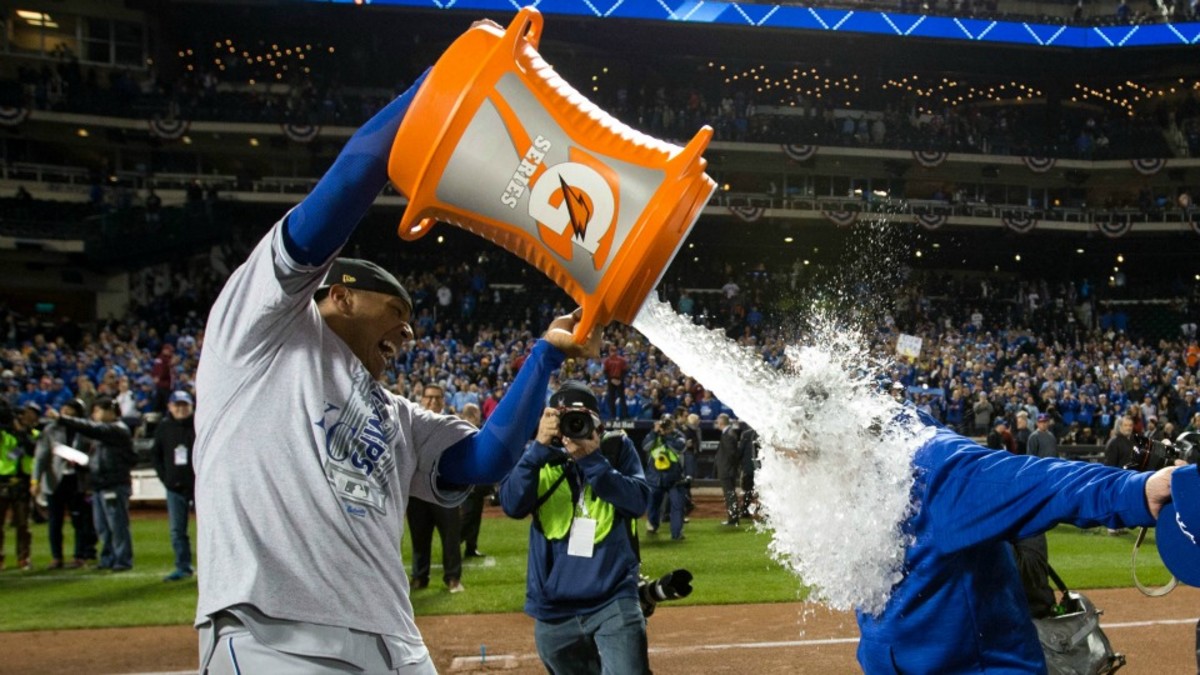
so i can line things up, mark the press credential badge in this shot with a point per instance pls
(583, 532)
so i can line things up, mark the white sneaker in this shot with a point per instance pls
(456, 586)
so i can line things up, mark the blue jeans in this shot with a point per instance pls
(110, 509)
(177, 514)
(611, 641)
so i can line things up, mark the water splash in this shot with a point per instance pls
(836, 468)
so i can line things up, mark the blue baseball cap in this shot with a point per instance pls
(181, 397)
(1178, 530)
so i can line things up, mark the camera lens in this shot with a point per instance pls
(576, 424)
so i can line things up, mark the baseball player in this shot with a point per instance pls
(305, 462)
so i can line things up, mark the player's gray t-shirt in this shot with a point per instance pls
(304, 465)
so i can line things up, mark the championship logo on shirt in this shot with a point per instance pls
(358, 440)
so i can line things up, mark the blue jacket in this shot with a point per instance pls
(560, 586)
(960, 606)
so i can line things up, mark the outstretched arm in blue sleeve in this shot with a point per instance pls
(973, 495)
(320, 225)
(486, 457)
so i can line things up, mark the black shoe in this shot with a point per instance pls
(474, 553)
(418, 584)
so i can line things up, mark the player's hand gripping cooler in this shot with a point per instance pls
(500, 145)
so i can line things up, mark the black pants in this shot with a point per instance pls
(615, 398)
(14, 510)
(728, 486)
(472, 516)
(66, 500)
(423, 518)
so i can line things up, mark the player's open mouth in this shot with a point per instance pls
(388, 349)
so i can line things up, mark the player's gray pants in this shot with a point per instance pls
(237, 652)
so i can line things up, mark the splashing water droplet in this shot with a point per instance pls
(836, 468)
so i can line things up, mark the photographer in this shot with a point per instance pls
(664, 447)
(582, 578)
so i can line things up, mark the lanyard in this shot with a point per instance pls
(582, 504)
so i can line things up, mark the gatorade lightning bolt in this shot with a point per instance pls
(500, 145)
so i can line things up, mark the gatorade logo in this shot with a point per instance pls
(574, 203)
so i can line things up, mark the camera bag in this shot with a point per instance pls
(1072, 640)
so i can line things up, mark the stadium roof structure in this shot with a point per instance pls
(848, 21)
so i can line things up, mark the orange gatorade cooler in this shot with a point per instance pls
(497, 143)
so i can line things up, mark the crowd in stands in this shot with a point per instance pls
(1056, 356)
(1014, 345)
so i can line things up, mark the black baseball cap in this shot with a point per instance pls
(575, 394)
(362, 275)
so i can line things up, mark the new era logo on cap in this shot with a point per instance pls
(364, 275)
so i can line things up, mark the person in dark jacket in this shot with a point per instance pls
(1119, 450)
(582, 580)
(64, 484)
(173, 441)
(748, 447)
(663, 448)
(995, 438)
(691, 456)
(112, 460)
(729, 463)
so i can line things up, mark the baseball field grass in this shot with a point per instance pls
(731, 566)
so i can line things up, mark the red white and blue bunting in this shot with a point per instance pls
(928, 158)
(1148, 167)
(748, 214)
(301, 133)
(799, 153)
(1116, 228)
(841, 218)
(1021, 223)
(169, 130)
(1039, 164)
(931, 221)
(11, 117)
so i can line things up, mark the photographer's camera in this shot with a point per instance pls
(576, 423)
(670, 586)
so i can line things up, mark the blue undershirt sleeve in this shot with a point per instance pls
(487, 456)
(320, 225)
